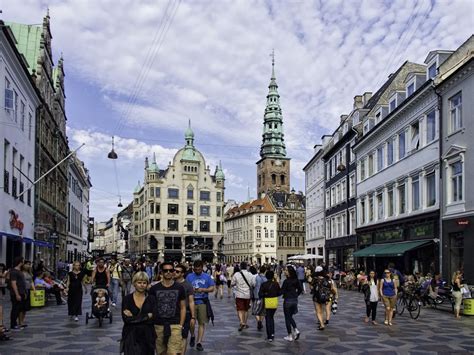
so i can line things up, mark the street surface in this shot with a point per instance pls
(50, 331)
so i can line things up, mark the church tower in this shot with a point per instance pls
(273, 169)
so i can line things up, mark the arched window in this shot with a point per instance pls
(273, 179)
(282, 179)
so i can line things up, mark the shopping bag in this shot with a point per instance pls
(271, 302)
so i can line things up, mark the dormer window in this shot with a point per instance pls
(410, 88)
(432, 71)
(393, 104)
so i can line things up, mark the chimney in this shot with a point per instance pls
(343, 118)
(358, 102)
(367, 96)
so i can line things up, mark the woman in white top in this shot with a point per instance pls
(371, 297)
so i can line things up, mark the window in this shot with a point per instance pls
(415, 188)
(393, 104)
(218, 227)
(190, 193)
(353, 221)
(157, 192)
(218, 196)
(432, 71)
(8, 96)
(30, 125)
(455, 112)
(456, 182)
(380, 153)
(328, 199)
(415, 136)
(189, 225)
(371, 208)
(390, 202)
(218, 211)
(152, 191)
(338, 193)
(362, 211)
(204, 226)
(173, 224)
(266, 218)
(390, 152)
(410, 89)
(430, 190)
(152, 224)
(362, 169)
(22, 116)
(259, 219)
(271, 219)
(401, 199)
(380, 209)
(204, 210)
(401, 145)
(173, 193)
(259, 233)
(339, 225)
(430, 126)
(352, 185)
(152, 208)
(273, 179)
(333, 195)
(204, 195)
(173, 208)
(371, 164)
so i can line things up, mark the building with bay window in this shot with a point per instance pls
(178, 211)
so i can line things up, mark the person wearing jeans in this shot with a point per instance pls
(127, 275)
(17, 292)
(269, 289)
(371, 297)
(290, 290)
(115, 277)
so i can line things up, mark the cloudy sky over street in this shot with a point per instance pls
(139, 70)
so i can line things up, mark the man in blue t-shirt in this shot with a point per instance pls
(203, 284)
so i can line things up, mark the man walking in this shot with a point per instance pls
(17, 292)
(127, 275)
(243, 282)
(179, 272)
(170, 312)
(203, 284)
(115, 276)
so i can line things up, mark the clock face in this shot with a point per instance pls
(278, 162)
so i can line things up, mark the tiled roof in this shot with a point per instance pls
(261, 205)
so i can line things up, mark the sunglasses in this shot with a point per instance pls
(168, 271)
(178, 271)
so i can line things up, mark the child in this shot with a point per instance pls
(100, 299)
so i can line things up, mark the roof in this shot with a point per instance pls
(28, 39)
(280, 199)
(260, 205)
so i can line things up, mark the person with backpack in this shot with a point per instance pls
(324, 292)
(258, 309)
(290, 290)
(269, 292)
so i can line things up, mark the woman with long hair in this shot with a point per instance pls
(269, 291)
(219, 281)
(290, 290)
(371, 296)
(74, 285)
(138, 333)
(457, 295)
(388, 291)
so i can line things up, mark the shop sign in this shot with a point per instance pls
(15, 222)
(422, 231)
(388, 236)
(462, 222)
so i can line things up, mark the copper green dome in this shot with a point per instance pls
(154, 166)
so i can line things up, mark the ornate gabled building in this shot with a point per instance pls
(178, 212)
(34, 42)
(273, 179)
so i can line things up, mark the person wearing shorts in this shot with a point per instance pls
(243, 282)
(388, 292)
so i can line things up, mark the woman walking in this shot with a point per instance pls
(138, 333)
(457, 295)
(388, 291)
(324, 293)
(219, 279)
(269, 292)
(74, 285)
(371, 297)
(290, 290)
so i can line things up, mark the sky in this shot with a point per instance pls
(139, 70)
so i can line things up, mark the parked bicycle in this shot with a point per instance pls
(409, 299)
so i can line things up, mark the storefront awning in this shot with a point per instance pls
(390, 249)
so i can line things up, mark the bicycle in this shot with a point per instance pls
(409, 300)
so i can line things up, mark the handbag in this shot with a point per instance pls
(271, 302)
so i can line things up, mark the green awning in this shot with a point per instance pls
(390, 249)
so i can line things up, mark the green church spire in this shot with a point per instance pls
(273, 144)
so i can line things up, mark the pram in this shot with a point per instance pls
(99, 305)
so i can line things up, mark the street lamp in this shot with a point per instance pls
(112, 154)
(120, 199)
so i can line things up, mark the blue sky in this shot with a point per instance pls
(139, 70)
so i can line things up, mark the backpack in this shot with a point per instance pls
(321, 291)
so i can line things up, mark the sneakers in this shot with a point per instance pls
(17, 328)
(289, 337)
(385, 322)
(192, 342)
(76, 319)
(296, 334)
(199, 347)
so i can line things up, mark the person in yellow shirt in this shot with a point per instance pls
(115, 277)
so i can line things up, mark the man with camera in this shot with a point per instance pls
(203, 284)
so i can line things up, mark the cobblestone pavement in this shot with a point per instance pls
(50, 331)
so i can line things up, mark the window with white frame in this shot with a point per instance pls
(380, 209)
(338, 193)
(362, 169)
(401, 199)
(393, 104)
(328, 199)
(9, 98)
(415, 189)
(401, 145)
(352, 155)
(415, 136)
(430, 190)
(390, 152)
(390, 201)
(362, 211)
(430, 126)
(266, 218)
(456, 181)
(380, 158)
(371, 208)
(339, 225)
(333, 195)
(371, 164)
(455, 112)
(352, 185)
(328, 228)
(432, 71)
(410, 88)
(352, 214)
(333, 227)
(343, 190)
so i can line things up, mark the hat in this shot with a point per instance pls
(318, 268)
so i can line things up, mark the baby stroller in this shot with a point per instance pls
(100, 305)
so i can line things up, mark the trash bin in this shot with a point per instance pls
(37, 298)
(468, 307)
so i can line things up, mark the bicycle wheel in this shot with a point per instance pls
(414, 308)
(400, 306)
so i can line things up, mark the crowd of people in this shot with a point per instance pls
(163, 303)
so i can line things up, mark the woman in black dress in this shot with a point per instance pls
(74, 285)
(138, 334)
